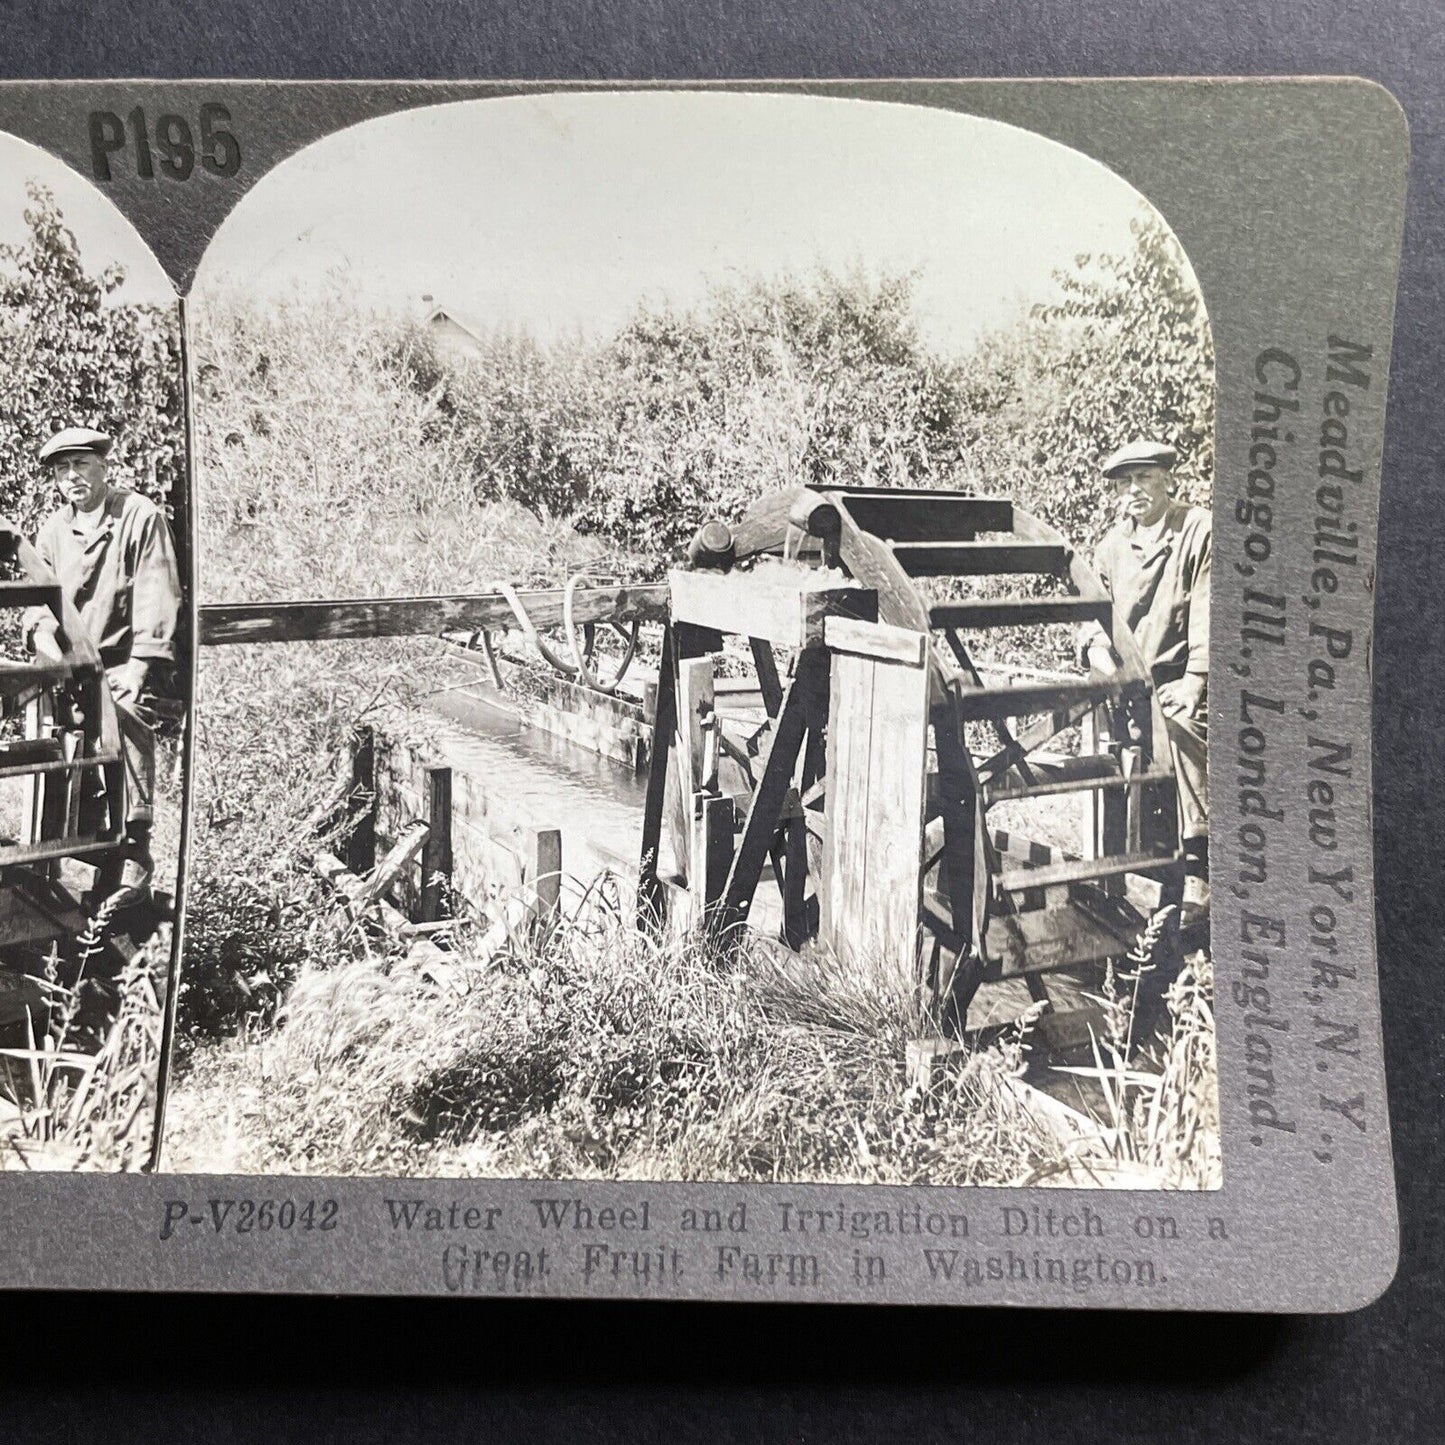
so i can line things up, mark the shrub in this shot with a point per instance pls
(76, 356)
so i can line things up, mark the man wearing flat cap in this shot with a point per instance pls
(1155, 564)
(112, 551)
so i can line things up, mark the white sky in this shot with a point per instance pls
(560, 212)
(103, 234)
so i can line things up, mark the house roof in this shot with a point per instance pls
(435, 313)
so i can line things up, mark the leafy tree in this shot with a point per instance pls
(775, 383)
(1125, 352)
(75, 355)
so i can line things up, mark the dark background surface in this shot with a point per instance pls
(83, 1368)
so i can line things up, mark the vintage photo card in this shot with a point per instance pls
(709, 610)
(94, 670)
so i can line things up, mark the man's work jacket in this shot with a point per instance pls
(1159, 580)
(122, 577)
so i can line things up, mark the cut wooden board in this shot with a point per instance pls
(1044, 940)
(980, 559)
(877, 640)
(779, 602)
(905, 515)
(877, 762)
(234, 622)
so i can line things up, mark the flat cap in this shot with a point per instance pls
(1141, 454)
(75, 439)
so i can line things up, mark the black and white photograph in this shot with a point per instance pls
(92, 669)
(703, 654)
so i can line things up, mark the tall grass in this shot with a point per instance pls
(73, 1100)
(598, 1051)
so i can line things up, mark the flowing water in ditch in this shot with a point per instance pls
(597, 803)
(550, 781)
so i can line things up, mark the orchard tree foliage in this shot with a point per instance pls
(1125, 352)
(819, 382)
(336, 422)
(75, 355)
(686, 415)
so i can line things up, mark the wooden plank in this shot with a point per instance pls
(793, 878)
(846, 853)
(20, 681)
(980, 559)
(779, 602)
(55, 765)
(769, 683)
(873, 565)
(1080, 782)
(1023, 849)
(82, 846)
(543, 862)
(29, 594)
(711, 853)
(1084, 870)
(436, 857)
(398, 858)
(696, 719)
(877, 640)
(898, 764)
(1020, 611)
(362, 617)
(23, 752)
(1002, 702)
(901, 515)
(877, 742)
(966, 861)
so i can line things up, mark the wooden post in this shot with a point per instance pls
(651, 898)
(544, 864)
(692, 701)
(696, 716)
(712, 855)
(794, 874)
(436, 856)
(769, 683)
(361, 802)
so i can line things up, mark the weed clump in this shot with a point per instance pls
(596, 1051)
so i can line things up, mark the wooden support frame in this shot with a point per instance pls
(806, 701)
(651, 895)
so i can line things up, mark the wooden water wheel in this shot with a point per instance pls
(885, 776)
